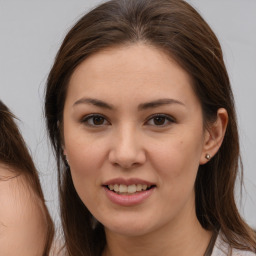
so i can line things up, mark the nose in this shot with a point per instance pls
(127, 149)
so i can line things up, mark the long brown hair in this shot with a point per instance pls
(176, 28)
(15, 155)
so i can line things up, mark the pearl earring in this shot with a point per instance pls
(208, 156)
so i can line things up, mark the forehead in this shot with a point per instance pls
(130, 70)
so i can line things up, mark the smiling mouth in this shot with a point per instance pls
(123, 189)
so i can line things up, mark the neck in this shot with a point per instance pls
(182, 237)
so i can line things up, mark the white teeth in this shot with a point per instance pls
(116, 188)
(139, 187)
(128, 189)
(123, 189)
(132, 189)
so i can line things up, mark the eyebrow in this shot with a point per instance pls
(143, 106)
(95, 102)
(158, 103)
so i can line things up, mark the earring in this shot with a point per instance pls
(208, 156)
(66, 161)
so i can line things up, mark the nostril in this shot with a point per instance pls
(127, 163)
(127, 156)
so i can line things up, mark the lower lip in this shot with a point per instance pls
(129, 200)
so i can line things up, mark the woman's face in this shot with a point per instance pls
(134, 139)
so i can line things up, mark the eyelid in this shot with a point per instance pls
(85, 119)
(169, 118)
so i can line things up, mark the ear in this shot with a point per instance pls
(214, 136)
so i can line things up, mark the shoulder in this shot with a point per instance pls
(22, 222)
(221, 248)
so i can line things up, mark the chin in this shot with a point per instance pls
(131, 231)
(129, 227)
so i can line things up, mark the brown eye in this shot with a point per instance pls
(98, 120)
(160, 120)
(95, 120)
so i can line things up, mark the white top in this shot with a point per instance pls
(221, 248)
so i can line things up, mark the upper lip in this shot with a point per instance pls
(127, 182)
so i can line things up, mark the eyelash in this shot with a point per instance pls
(92, 117)
(166, 118)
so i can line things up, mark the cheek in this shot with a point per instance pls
(178, 160)
(84, 167)
(177, 164)
(84, 158)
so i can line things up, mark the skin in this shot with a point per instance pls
(129, 141)
(22, 222)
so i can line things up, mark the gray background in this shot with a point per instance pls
(31, 32)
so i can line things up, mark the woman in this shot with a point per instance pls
(25, 224)
(141, 116)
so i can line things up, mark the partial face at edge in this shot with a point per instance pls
(131, 116)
